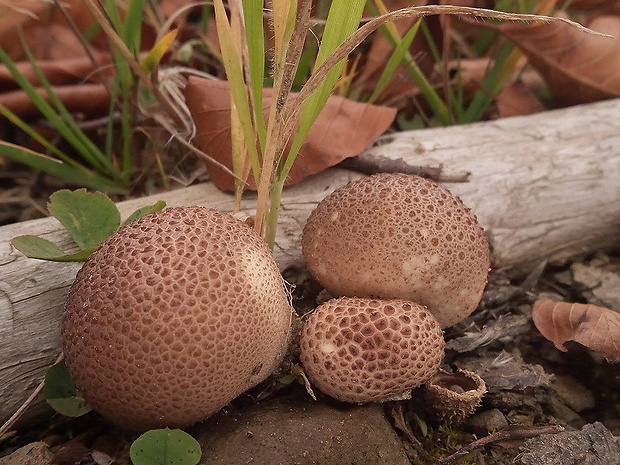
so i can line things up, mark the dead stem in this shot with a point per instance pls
(283, 81)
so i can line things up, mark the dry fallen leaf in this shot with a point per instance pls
(577, 67)
(89, 99)
(595, 327)
(517, 100)
(63, 71)
(343, 129)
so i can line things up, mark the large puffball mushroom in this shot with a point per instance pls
(398, 236)
(367, 350)
(174, 316)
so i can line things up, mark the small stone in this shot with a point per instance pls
(36, 453)
(593, 445)
(572, 393)
(295, 430)
(562, 412)
(488, 421)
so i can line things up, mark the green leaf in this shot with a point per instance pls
(37, 247)
(140, 212)
(62, 394)
(165, 447)
(90, 218)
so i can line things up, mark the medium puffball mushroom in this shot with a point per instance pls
(366, 350)
(174, 316)
(398, 236)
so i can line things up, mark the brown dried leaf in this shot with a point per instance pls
(577, 67)
(517, 100)
(90, 99)
(595, 327)
(343, 129)
(63, 71)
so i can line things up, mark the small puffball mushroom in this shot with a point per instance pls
(452, 397)
(398, 236)
(365, 350)
(174, 316)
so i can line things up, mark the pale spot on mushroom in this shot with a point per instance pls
(328, 348)
(415, 267)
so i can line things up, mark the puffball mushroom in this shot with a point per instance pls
(174, 316)
(367, 350)
(398, 236)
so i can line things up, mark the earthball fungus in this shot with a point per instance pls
(398, 236)
(174, 316)
(367, 350)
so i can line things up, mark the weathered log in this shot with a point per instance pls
(545, 187)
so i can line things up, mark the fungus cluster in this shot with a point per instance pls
(174, 316)
(410, 259)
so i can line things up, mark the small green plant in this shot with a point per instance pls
(165, 447)
(89, 218)
(61, 393)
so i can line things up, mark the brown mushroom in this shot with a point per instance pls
(452, 397)
(174, 316)
(368, 350)
(398, 236)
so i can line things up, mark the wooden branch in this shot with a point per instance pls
(544, 187)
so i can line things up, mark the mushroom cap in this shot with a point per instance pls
(174, 316)
(366, 350)
(398, 236)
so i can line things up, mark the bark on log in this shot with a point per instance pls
(545, 186)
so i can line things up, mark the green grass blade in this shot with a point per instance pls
(254, 30)
(234, 73)
(76, 175)
(396, 59)
(432, 98)
(491, 85)
(131, 31)
(27, 129)
(58, 115)
(343, 19)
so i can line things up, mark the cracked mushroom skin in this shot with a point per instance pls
(174, 316)
(367, 350)
(398, 236)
